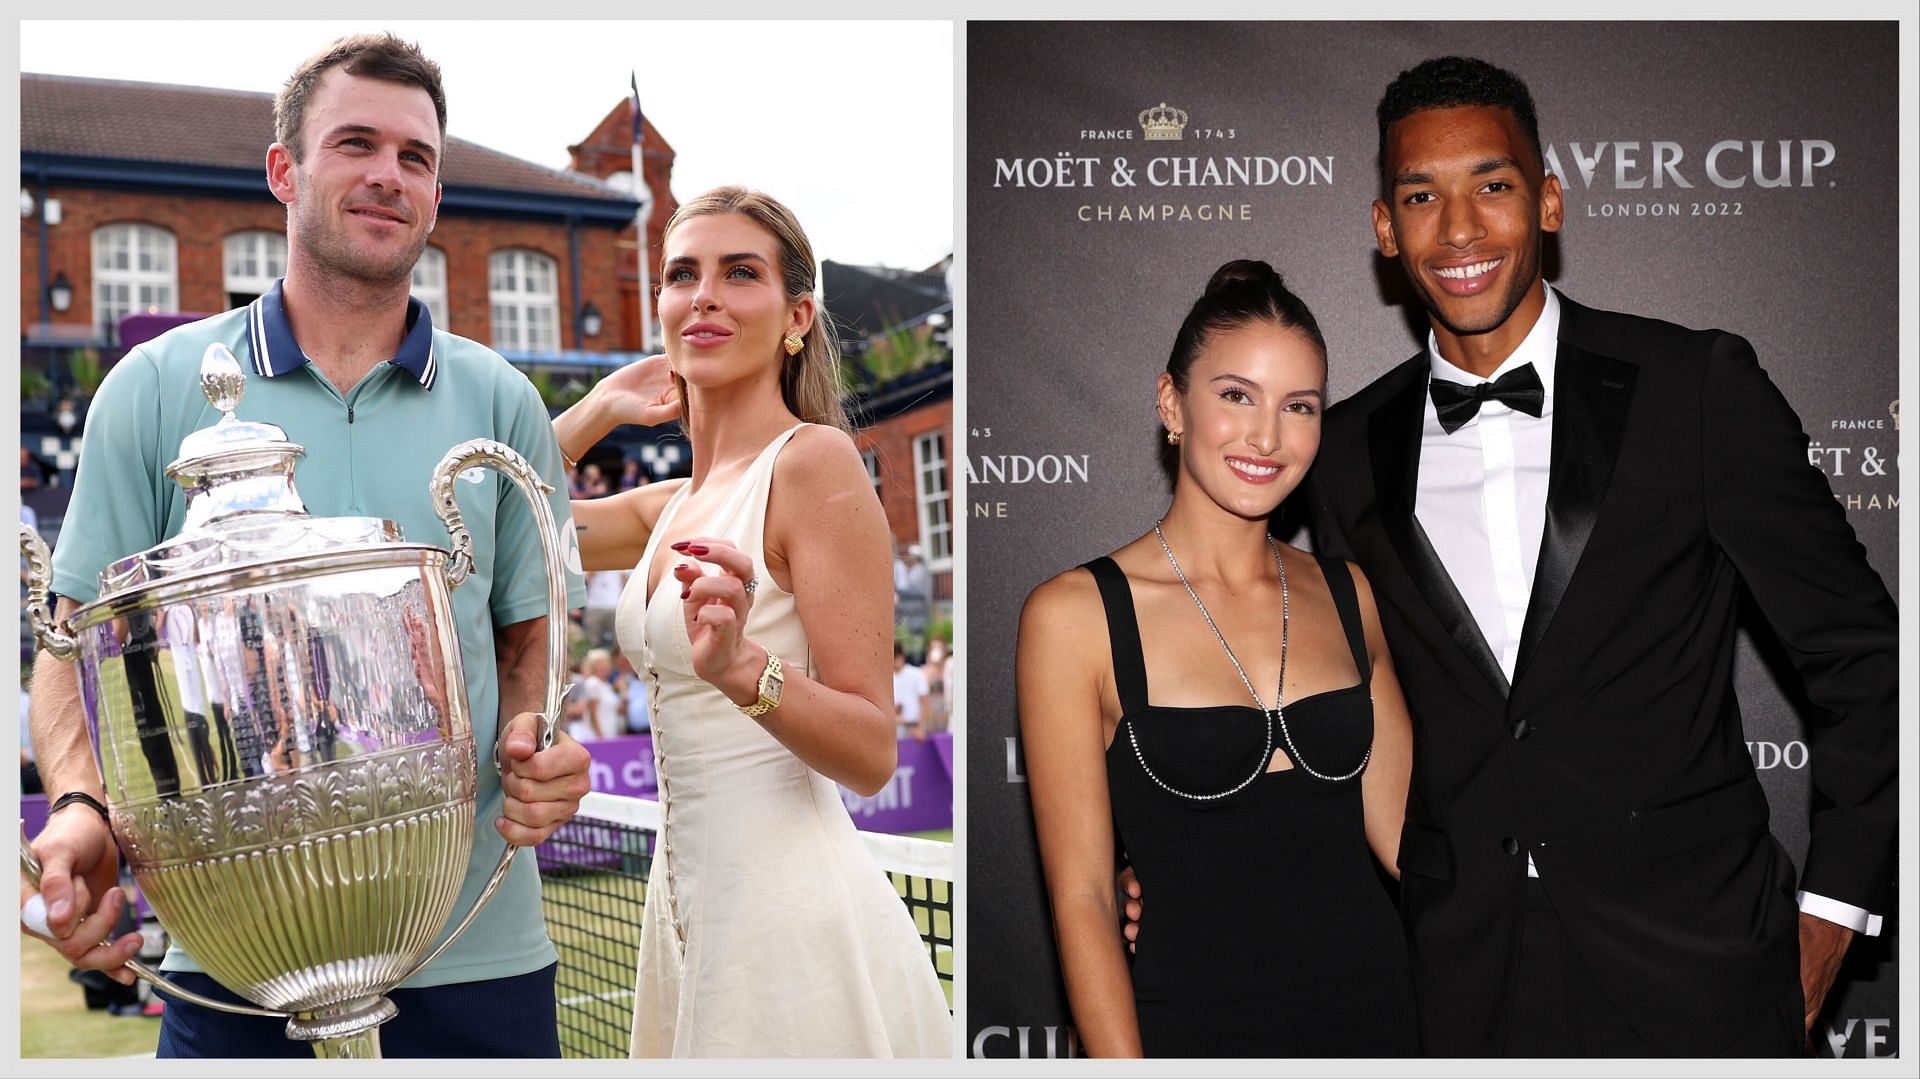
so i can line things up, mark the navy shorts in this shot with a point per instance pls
(503, 1017)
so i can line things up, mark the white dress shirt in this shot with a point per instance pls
(1481, 498)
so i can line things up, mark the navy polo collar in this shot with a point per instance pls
(275, 352)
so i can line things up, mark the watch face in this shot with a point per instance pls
(770, 689)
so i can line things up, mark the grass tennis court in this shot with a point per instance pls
(593, 876)
(593, 917)
(597, 954)
(55, 1022)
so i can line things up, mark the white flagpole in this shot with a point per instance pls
(645, 195)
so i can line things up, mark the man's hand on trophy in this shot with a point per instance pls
(544, 788)
(78, 861)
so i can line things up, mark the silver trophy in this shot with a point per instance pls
(278, 709)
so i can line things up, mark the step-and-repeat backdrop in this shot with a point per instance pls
(1741, 176)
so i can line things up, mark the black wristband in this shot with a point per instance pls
(80, 798)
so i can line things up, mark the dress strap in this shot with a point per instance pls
(743, 514)
(1346, 600)
(1123, 634)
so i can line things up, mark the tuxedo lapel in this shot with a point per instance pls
(1592, 394)
(1394, 433)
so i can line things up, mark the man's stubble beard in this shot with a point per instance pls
(331, 254)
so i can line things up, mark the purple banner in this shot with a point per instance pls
(624, 766)
(919, 797)
(33, 813)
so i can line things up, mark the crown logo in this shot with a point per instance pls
(1163, 122)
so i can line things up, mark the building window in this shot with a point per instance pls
(133, 273)
(430, 284)
(255, 260)
(936, 512)
(871, 458)
(523, 287)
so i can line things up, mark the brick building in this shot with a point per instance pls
(153, 197)
(607, 154)
(905, 435)
(893, 326)
(142, 198)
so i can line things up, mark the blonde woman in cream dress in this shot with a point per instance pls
(768, 930)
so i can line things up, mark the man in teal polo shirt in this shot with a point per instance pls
(340, 356)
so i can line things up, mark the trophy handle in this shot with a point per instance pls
(506, 460)
(30, 865)
(39, 609)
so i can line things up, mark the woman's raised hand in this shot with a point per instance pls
(641, 393)
(715, 606)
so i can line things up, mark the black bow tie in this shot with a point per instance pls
(1518, 389)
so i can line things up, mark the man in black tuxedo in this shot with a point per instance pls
(1559, 509)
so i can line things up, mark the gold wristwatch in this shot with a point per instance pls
(772, 680)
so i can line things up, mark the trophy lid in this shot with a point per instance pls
(241, 502)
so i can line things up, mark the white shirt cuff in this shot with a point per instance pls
(1854, 918)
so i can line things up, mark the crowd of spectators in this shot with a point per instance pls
(920, 702)
(609, 696)
(922, 651)
(592, 480)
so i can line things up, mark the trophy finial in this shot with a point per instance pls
(221, 379)
(233, 465)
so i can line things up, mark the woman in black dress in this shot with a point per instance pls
(1253, 821)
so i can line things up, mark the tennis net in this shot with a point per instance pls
(593, 875)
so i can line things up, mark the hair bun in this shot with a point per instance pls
(1242, 272)
(1240, 293)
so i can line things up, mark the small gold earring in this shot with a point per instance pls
(1173, 438)
(793, 344)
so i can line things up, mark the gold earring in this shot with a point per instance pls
(1173, 438)
(793, 344)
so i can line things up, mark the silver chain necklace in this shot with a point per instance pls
(1275, 714)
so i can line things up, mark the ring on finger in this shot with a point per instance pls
(752, 583)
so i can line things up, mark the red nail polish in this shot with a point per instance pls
(681, 546)
(685, 592)
(696, 550)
